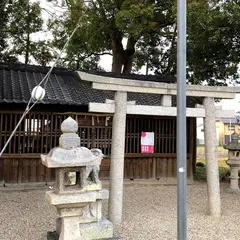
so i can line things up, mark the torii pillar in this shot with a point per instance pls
(117, 158)
(214, 199)
(121, 87)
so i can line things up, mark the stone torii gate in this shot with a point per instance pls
(120, 107)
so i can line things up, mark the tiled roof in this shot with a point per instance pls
(65, 88)
(152, 78)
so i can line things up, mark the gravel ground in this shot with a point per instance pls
(149, 213)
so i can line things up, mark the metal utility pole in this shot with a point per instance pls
(181, 122)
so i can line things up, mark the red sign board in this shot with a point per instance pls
(147, 142)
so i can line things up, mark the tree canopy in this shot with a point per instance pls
(136, 33)
(104, 24)
(213, 45)
(21, 20)
(213, 42)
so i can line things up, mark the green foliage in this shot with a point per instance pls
(80, 50)
(213, 42)
(200, 164)
(24, 20)
(135, 19)
(200, 173)
(20, 20)
(3, 20)
(5, 53)
(104, 24)
(41, 53)
(158, 51)
(224, 173)
(148, 26)
(81, 62)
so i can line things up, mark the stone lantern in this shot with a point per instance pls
(234, 162)
(79, 205)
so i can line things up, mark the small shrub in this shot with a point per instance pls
(200, 164)
(224, 173)
(200, 173)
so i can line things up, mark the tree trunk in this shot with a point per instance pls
(117, 62)
(127, 68)
(117, 49)
(122, 59)
(128, 55)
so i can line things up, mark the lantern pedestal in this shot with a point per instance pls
(233, 162)
(78, 203)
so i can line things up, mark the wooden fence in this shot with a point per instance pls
(40, 132)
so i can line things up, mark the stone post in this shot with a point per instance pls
(211, 158)
(166, 100)
(117, 159)
(234, 179)
(234, 162)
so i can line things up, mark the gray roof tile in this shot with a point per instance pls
(65, 88)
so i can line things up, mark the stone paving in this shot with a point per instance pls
(149, 213)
